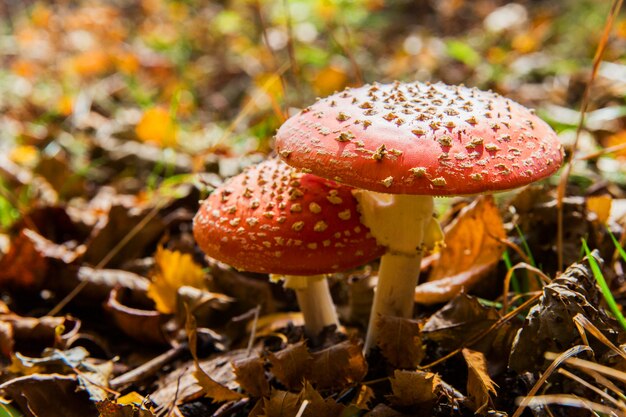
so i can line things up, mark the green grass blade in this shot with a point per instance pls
(619, 248)
(606, 291)
(509, 265)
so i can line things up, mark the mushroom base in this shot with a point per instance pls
(406, 226)
(315, 302)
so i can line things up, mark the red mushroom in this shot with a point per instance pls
(273, 219)
(406, 143)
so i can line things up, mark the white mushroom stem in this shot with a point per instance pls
(315, 302)
(406, 226)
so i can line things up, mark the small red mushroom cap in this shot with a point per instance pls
(421, 138)
(273, 219)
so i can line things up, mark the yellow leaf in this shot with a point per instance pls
(157, 126)
(525, 42)
(40, 15)
(24, 68)
(173, 270)
(65, 105)
(601, 206)
(329, 80)
(472, 249)
(24, 155)
(90, 63)
(127, 62)
(326, 9)
(617, 140)
(131, 398)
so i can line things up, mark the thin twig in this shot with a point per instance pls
(575, 350)
(148, 368)
(484, 333)
(114, 251)
(561, 189)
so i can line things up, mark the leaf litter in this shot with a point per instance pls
(108, 308)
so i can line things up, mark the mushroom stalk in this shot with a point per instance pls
(315, 302)
(406, 226)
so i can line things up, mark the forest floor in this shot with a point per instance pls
(118, 117)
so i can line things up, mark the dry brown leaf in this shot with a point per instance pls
(291, 364)
(411, 388)
(113, 223)
(271, 323)
(382, 410)
(464, 318)
(210, 387)
(49, 395)
(338, 366)
(287, 404)
(400, 342)
(180, 386)
(479, 383)
(27, 263)
(472, 249)
(280, 404)
(549, 325)
(251, 377)
(146, 326)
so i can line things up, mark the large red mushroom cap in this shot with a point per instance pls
(417, 138)
(273, 219)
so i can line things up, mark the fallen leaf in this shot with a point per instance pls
(411, 388)
(601, 206)
(173, 270)
(146, 326)
(207, 307)
(287, 404)
(329, 79)
(210, 388)
(32, 335)
(89, 63)
(109, 408)
(365, 396)
(112, 225)
(338, 366)
(480, 387)
(289, 365)
(91, 375)
(400, 342)
(157, 126)
(280, 404)
(271, 323)
(382, 410)
(24, 155)
(617, 139)
(472, 249)
(181, 386)
(463, 318)
(549, 325)
(251, 377)
(49, 396)
(28, 261)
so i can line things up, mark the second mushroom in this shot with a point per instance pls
(273, 219)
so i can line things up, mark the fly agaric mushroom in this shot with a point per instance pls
(273, 219)
(405, 143)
